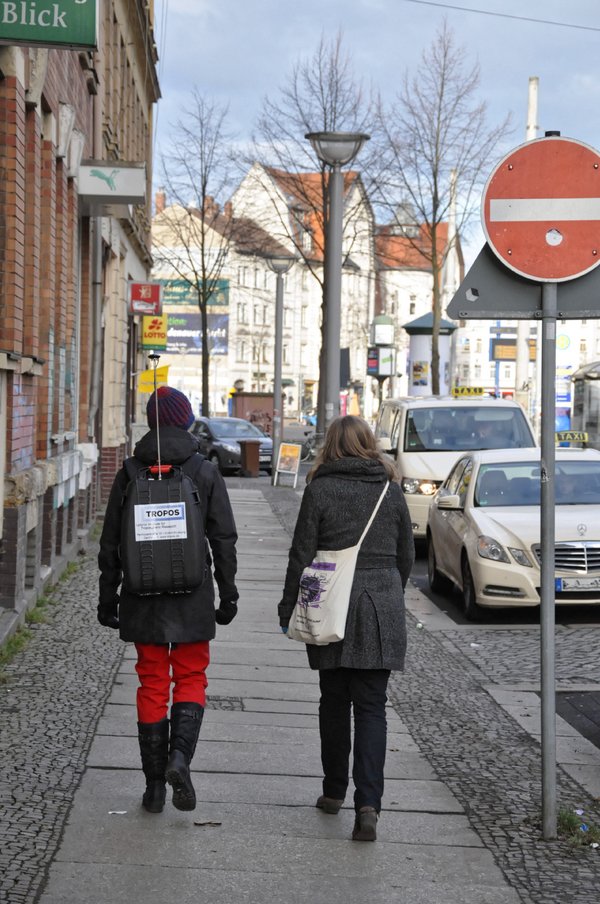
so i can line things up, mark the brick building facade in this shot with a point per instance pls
(67, 347)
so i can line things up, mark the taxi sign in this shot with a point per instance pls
(571, 436)
(467, 391)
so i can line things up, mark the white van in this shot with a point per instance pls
(426, 435)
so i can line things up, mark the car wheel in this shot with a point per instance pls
(214, 458)
(437, 581)
(470, 608)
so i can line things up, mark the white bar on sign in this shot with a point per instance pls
(521, 210)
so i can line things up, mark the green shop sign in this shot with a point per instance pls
(50, 23)
(180, 291)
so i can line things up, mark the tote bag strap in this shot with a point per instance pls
(375, 510)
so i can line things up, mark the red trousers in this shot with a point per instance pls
(157, 665)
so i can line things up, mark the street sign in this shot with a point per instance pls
(541, 209)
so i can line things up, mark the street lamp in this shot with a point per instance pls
(335, 149)
(279, 264)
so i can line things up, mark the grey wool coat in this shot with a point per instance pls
(336, 506)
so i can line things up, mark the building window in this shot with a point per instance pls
(285, 353)
(492, 372)
(477, 372)
(478, 344)
(241, 351)
(465, 371)
(507, 372)
(242, 313)
(304, 315)
(412, 308)
(256, 314)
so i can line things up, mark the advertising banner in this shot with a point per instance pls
(179, 291)
(185, 333)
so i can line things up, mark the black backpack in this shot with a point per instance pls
(163, 545)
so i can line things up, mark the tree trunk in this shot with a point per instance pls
(205, 360)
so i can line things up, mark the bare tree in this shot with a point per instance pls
(191, 236)
(320, 94)
(436, 128)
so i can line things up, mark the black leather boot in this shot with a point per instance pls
(186, 719)
(154, 749)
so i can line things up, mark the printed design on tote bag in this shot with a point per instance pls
(312, 586)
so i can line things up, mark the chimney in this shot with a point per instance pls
(160, 201)
(228, 209)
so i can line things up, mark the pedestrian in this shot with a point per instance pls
(171, 631)
(343, 488)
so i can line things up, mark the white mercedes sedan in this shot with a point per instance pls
(483, 530)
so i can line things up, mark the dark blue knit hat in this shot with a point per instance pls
(174, 409)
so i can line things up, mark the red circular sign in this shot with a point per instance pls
(541, 209)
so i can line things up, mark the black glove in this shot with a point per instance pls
(226, 612)
(108, 613)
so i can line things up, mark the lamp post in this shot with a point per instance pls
(279, 264)
(335, 149)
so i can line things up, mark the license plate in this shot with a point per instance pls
(583, 584)
(264, 458)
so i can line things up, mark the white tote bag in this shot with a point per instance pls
(320, 613)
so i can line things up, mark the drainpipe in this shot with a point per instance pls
(96, 368)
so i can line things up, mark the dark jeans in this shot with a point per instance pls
(365, 691)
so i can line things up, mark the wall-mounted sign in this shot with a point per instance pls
(50, 23)
(145, 298)
(154, 332)
(101, 182)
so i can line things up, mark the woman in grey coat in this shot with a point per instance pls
(343, 488)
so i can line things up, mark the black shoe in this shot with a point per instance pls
(365, 824)
(186, 719)
(153, 738)
(329, 804)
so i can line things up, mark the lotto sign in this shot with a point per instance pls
(160, 522)
(145, 298)
(541, 209)
(154, 332)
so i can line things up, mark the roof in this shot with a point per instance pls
(250, 238)
(398, 252)
(303, 193)
(424, 325)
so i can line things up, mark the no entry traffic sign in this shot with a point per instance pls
(541, 209)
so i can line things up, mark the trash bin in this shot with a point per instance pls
(249, 457)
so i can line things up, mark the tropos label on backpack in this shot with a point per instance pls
(160, 522)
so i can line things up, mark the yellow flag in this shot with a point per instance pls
(146, 378)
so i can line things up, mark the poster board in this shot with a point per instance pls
(288, 462)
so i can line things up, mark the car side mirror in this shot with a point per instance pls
(448, 502)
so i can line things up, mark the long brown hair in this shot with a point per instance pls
(351, 437)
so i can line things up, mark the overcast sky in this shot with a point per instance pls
(236, 51)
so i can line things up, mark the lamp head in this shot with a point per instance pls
(337, 148)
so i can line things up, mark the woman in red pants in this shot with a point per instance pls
(171, 631)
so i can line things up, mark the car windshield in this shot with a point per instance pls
(232, 429)
(457, 429)
(518, 483)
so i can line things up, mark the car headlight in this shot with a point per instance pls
(521, 557)
(491, 549)
(230, 447)
(425, 487)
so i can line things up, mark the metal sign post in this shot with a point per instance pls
(541, 217)
(547, 535)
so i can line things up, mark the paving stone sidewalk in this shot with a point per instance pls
(462, 773)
